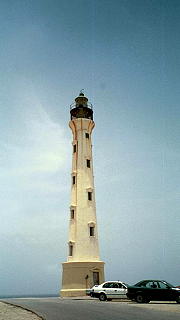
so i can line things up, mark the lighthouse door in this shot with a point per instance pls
(96, 277)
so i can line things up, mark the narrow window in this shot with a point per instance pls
(91, 231)
(74, 148)
(70, 250)
(88, 163)
(73, 180)
(90, 196)
(87, 135)
(72, 213)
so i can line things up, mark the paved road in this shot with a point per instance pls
(70, 309)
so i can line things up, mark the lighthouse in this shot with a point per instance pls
(83, 267)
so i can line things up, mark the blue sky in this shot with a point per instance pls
(126, 55)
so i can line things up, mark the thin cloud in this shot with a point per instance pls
(33, 166)
(43, 148)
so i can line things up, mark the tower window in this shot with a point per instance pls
(88, 163)
(70, 250)
(87, 135)
(74, 148)
(91, 231)
(73, 180)
(89, 195)
(72, 213)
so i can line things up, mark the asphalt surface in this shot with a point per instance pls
(80, 309)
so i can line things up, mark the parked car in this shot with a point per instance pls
(156, 290)
(109, 290)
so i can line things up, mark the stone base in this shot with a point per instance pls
(78, 277)
(72, 293)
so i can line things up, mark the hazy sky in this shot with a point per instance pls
(126, 55)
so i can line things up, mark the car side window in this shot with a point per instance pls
(149, 284)
(152, 285)
(107, 285)
(163, 285)
(113, 285)
(143, 284)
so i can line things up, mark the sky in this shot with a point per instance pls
(125, 54)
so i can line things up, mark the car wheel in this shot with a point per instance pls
(102, 297)
(140, 298)
(146, 300)
(91, 295)
(178, 299)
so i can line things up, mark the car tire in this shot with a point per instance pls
(140, 298)
(91, 295)
(146, 300)
(178, 299)
(102, 297)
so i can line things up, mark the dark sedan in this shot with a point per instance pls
(153, 290)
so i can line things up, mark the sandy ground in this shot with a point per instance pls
(9, 312)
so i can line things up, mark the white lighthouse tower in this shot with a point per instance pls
(83, 268)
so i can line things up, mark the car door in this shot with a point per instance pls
(121, 291)
(152, 290)
(109, 290)
(116, 290)
(164, 291)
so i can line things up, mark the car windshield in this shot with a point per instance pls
(125, 284)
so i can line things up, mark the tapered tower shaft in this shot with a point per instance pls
(83, 267)
(83, 226)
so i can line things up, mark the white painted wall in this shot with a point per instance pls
(85, 247)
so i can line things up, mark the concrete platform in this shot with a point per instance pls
(10, 312)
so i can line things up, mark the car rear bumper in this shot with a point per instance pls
(94, 294)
